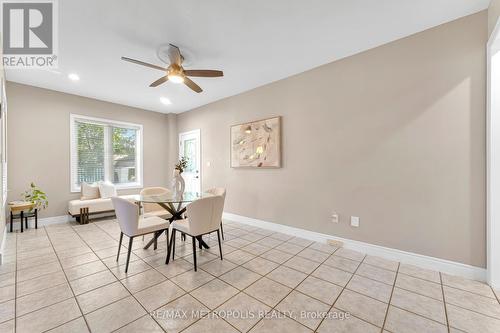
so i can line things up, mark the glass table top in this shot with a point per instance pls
(170, 198)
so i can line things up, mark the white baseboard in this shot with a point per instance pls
(42, 221)
(437, 264)
(2, 245)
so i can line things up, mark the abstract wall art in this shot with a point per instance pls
(256, 144)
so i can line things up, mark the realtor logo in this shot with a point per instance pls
(29, 34)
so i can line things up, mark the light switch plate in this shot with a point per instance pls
(355, 221)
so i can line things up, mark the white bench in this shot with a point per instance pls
(82, 209)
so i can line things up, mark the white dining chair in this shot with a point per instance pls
(133, 225)
(204, 216)
(222, 192)
(153, 209)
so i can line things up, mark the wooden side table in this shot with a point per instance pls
(20, 207)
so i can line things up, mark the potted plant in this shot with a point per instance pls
(182, 164)
(36, 196)
(178, 184)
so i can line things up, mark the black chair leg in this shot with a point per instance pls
(22, 217)
(11, 221)
(156, 241)
(222, 230)
(168, 240)
(220, 246)
(25, 222)
(128, 254)
(119, 246)
(36, 219)
(194, 252)
(174, 234)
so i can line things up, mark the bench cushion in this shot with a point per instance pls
(94, 205)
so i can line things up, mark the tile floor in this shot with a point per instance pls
(64, 278)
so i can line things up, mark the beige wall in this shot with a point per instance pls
(395, 135)
(39, 141)
(493, 14)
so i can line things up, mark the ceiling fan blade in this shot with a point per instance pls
(188, 82)
(159, 81)
(174, 55)
(138, 62)
(203, 73)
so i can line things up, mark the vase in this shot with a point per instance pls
(178, 184)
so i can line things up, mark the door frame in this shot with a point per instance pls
(196, 132)
(493, 159)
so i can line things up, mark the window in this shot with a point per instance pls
(105, 150)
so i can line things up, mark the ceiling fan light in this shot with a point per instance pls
(175, 78)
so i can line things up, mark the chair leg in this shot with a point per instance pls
(36, 218)
(168, 240)
(174, 234)
(119, 246)
(25, 222)
(194, 252)
(129, 250)
(199, 243)
(156, 241)
(220, 246)
(11, 221)
(222, 230)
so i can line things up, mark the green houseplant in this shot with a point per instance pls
(182, 164)
(35, 195)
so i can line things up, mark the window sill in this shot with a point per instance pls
(132, 186)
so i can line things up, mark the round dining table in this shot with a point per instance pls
(175, 205)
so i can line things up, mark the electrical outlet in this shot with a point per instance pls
(335, 217)
(354, 221)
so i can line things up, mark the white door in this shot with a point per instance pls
(189, 146)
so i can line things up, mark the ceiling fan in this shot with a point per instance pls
(175, 72)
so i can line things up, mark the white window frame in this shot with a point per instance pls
(107, 169)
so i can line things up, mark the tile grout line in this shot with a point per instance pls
(444, 302)
(390, 298)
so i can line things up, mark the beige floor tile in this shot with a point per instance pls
(8, 326)
(34, 261)
(48, 317)
(102, 296)
(469, 321)
(474, 302)
(191, 280)
(40, 283)
(114, 315)
(7, 279)
(109, 252)
(300, 241)
(240, 277)
(260, 265)
(280, 236)
(248, 311)
(218, 267)
(75, 326)
(91, 282)
(144, 324)
(302, 265)
(73, 252)
(211, 324)
(255, 249)
(338, 321)
(154, 297)
(80, 271)
(419, 286)
(7, 293)
(134, 268)
(239, 257)
(467, 285)
(290, 248)
(322, 290)
(269, 242)
(175, 268)
(304, 309)
(214, 293)
(278, 323)
(276, 256)
(418, 304)
(399, 320)
(363, 307)
(287, 276)
(268, 291)
(332, 275)
(111, 261)
(33, 272)
(378, 274)
(372, 288)
(156, 260)
(42, 299)
(381, 263)
(344, 264)
(7, 310)
(323, 247)
(350, 254)
(143, 280)
(179, 314)
(201, 257)
(79, 260)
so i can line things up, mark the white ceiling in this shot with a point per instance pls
(254, 42)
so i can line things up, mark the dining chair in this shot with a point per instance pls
(204, 216)
(133, 225)
(222, 192)
(153, 209)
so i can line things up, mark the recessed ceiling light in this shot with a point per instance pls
(165, 100)
(73, 77)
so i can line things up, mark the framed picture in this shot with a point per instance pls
(256, 144)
